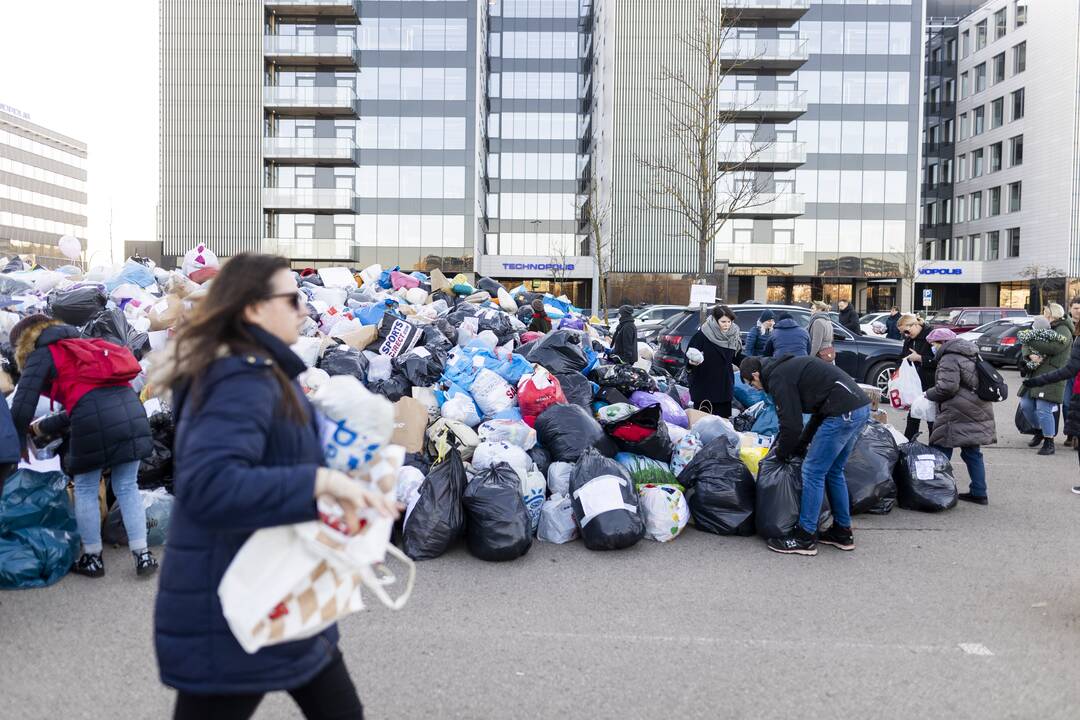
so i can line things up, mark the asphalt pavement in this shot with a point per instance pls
(972, 613)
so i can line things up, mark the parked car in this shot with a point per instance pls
(978, 332)
(1000, 345)
(962, 319)
(866, 322)
(870, 359)
(649, 319)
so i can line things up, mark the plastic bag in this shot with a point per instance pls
(751, 457)
(665, 510)
(420, 367)
(557, 521)
(111, 325)
(393, 388)
(645, 470)
(566, 431)
(558, 477)
(78, 305)
(720, 490)
(605, 503)
(671, 410)
(514, 432)
(924, 479)
(357, 425)
(869, 471)
(39, 540)
(577, 389)
(559, 352)
(924, 409)
(157, 470)
(398, 336)
(779, 497)
(437, 518)
(488, 454)
(538, 392)
(905, 387)
(343, 360)
(158, 505)
(491, 393)
(685, 451)
(533, 492)
(541, 458)
(462, 409)
(744, 421)
(642, 433)
(497, 524)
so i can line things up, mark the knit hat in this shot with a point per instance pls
(1056, 311)
(941, 335)
(1040, 323)
(766, 316)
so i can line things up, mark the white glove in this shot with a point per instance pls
(352, 496)
(695, 356)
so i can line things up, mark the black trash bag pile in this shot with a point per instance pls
(605, 503)
(560, 352)
(419, 367)
(489, 286)
(437, 518)
(541, 457)
(924, 479)
(77, 306)
(720, 490)
(525, 314)
(624, 378)
(869, 471)
(157, 470)
(611, 396)
(344, 360)
(577, 389)
(779, 498)
(393, 388)
(436, 342)
(499, 323)
(448, 331)
(421, 461)
(497, 526)
(656, 445)
(111, 325)
(567, 431)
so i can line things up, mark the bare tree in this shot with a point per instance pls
(1041, 275)
(557, 267)
(692, 177)
(595, 212)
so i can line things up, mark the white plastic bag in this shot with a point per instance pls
(695, 356)
(665, 510)
(462, 409)
(358, 422)
(491, 393)
(307, 348)
(490, 453)
(533, 491)
(905, 386)
(924, 409)
(514, 432)
(557, 521)
(558, 477)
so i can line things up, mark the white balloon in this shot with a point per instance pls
(71, 247)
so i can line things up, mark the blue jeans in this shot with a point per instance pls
(1039, 413)
(973, 458)
(823, 468)
(88, 515)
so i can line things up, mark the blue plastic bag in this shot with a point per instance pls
(39, 540)
(134, 273)
(748, 395)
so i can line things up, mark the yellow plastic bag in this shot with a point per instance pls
(751, 457)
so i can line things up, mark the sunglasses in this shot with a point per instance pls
(294, 297)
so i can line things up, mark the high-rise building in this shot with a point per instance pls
(42, 188)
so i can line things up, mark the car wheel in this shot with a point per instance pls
(879, 376)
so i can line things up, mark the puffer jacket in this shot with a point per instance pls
(963, 419)
(624, 341)
(1055, 354)
(108, 426)
(756, 341)
(787, 338)
(1067, 373)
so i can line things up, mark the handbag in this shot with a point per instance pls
(828, 354)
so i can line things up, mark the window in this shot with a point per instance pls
(1019, 58)
(961, 208)
(963, 126)
(928, 214)
(946, 172)
(1016, 151)
(1000, 20)
(965, 43)
(993, 202)
(997, 113)
(977, 163)
(976, 205)
(980, 36)
(999, 67)
(946, 215)
(950, 50)
(980, 78)
(950, 91)
(1021, 13)
(1014, 197)
(1018, 104)
(1013, 242)
(974, 248)
(961, 168)
(979, 121)
(949, 131)
(993, 241)
(995, 157)
(965, 87)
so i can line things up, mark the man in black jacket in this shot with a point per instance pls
(624, 342)
(839, 410)
(848, 317)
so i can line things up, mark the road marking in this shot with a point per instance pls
(975, 649)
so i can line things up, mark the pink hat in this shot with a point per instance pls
(941, 335)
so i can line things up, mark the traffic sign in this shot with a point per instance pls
(927, 297)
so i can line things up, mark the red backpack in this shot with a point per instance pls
(85, 364)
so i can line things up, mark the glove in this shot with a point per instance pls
(352, 496)
(1028, 382)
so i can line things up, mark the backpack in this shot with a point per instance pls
(85, 364)
(989, 384)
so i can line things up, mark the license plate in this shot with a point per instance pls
(985, 348)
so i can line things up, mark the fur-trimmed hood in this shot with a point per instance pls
(28, 339)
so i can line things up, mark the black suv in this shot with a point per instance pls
(868, 359)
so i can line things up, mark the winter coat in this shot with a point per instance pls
(624, 342)
(756, 341)
(108, 425)
(891, 330)
(850, 319)
(714, 378)
(241, 464)
(1066, 373)
(1055, 355)
(963, 419)
(540, 323)
(926, 352)
(10, 446)
(821, 332)
(787, 338)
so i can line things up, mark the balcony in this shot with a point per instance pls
(778, 13)
(773, 206)
(762, 105)
(763, 254)
(349, 9)
(769, 157)
(311, 200)
(751, 56)
(311, 101)
(310, 151)
(312, 51)
(310, 248)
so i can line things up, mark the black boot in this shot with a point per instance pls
(1048, 447)
(1036, 440)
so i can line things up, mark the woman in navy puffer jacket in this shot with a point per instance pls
(247, 456)
(787, 338)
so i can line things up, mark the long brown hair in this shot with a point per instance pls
(218, 323)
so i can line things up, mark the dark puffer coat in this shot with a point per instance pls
(108, 425)
(787, 338)
(963, 419)
(1066, 373)
(624, 342)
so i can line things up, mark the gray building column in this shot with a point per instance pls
(761, 288)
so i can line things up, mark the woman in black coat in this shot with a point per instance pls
(624, 342)
(919, 351)
(108, 430)
(1070, 373)
(711, 355)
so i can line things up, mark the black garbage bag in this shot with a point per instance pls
(76, 307)
(643, 433)
(11, 286)
(1026, 427)
(567, 431)
(499, 323)
(437, 519)
(489, 286)
(39, 539)
(419, 367)
(111, 325)
(605, 503)
(497, 523)
(541, 457)
(525, 314)
(394, 388)
(344, 360)
(577, 389)
(436, 342)
(924, 479)
(157, 470)
(612, 396)
(448, 331)
(779, 497)
(560, 352)
(720, 490)
(624, 378)
(14, 265)
(397, 336)
(869, 471)
(465, 310)
(421, 461)
(450, 299)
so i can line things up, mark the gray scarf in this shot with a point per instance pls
(730, 339)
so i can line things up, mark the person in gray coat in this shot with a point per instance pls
(964, 420)
(821, 332)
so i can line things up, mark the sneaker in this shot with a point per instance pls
(1048, 447)
(145, 562)
(799, 542)
(90, 564)
(1036, 440)
(838, 537)
(978, 499)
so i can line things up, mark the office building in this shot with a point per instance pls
(1011, 234)
(42, 188)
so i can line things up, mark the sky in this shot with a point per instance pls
(90, 71)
